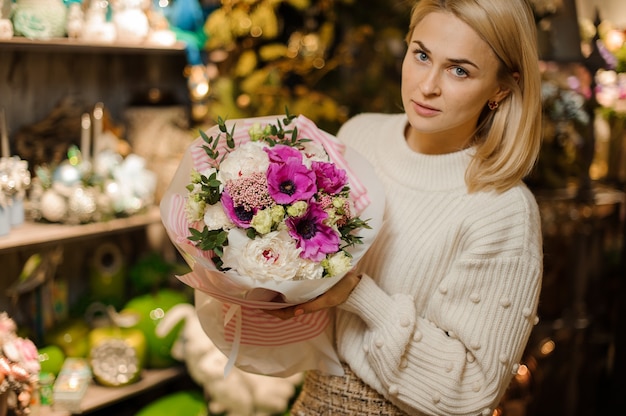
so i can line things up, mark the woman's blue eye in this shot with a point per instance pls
(460, 72)
(421, 56)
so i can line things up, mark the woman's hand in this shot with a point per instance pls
(334, 296)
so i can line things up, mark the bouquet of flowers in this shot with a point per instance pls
(274, 208)
(269, 212)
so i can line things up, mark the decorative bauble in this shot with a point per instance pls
(116, 355)
(104, 207)
(82, 205)
(113, 192)
(53, 207)
(67, 174)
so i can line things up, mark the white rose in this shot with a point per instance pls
(244, 160)
(194, 209)
(262, 221)
(215, 217)
(337, 264)
(271, 257)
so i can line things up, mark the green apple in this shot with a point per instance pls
(71, 337)
(151, 309)
(189, 403)
(51, 359)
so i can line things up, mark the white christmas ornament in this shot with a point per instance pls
(82, 205)
(53, 206)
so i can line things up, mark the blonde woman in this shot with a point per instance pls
(437, 316)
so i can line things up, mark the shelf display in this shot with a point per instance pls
(101, 180)
(73, 193)
(103, 22)
(72, 227)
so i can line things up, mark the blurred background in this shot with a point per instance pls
(123, 86)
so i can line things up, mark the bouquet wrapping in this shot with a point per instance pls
(272, 217)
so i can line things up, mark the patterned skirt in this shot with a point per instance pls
(325, 395)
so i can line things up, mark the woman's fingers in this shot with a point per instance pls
(335, 296)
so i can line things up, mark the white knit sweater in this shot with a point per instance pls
(443, 313)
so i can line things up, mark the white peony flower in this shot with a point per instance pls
(313, 151)
(215, 218)
(310, 270)
(271, 257)
(244, 160)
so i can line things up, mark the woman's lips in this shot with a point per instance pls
(425, 110)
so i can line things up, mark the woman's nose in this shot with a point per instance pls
(429, 84)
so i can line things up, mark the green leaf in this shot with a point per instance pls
(208, 240)
(222, 124)
(288, 117)
(251, 233)
(347, 231)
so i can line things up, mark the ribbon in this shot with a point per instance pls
(233, 310)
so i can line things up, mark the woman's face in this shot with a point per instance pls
(448, 75)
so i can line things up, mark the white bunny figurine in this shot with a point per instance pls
(239, 393)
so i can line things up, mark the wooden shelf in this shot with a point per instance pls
(98, 397)
(32, 234)
(73, 45)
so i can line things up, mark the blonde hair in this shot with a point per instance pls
(508, 139)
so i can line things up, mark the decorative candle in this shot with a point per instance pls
(5, 136)
(98, 115)
(85, 136)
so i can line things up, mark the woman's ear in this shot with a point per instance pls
(504, 92)
(500, 95)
